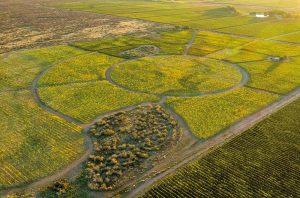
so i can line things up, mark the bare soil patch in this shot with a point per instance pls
(30, 23)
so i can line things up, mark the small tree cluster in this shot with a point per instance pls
(125, 140)
(60, 187)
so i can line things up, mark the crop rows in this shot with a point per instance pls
(20, 68)
(272, 48)
(267, 29)
(280, 77)
(176, 75)
(208, 42)
(85, 101)
(206, 116)
(170, 42)
(238, 56)
(34, 143)
(294, 38)
(262, 162)
(86, 67)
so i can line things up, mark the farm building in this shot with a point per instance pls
(259, 15)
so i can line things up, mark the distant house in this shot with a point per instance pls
(261, 15)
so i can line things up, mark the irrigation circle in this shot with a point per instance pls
(175, 75)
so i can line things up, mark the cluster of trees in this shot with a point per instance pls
(125, 140)
(60, 186)
(141, 51)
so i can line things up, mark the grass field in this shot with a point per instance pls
(85, 101)
(176, 75)
(207, 115)
(33, 142)
(262, 162)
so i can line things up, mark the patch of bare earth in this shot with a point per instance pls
(28, 24)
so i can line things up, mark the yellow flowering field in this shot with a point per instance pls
(207, 115)
(19, 68)
(85, 101)
(33, 143)
(86, 67)
(280, 77)
(176, 75)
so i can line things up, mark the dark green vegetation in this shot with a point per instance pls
(124, 141)
(168, 42)
(141, 51)
(262, 162)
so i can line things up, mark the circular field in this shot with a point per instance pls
(176, 75)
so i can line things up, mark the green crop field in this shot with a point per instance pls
(34, 143)
(211, 42)
(273, 48)
(238, 56)
(271, 3)
(266, 29)
(172, 42)
(274, 76)
(262, 162)
(186, 14)
(85, 101)
(20, 68)
(207, 115)
(86, 67)
(175, 75)
(293, 37)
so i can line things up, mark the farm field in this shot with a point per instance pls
(94, 98)
(78, 69)
(210, 42)
(165, 75)
(202, 17)
(19, 69)
(265, 73)
(271, 3)
(266, 29)
(293, 37)
(261, 162)
(168, 42)
(34, 143)
(208, 114)
(149, 98)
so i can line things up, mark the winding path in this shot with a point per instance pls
(190, 44)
